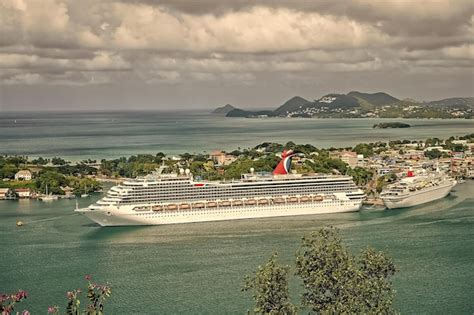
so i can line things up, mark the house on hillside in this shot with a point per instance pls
(6, 193)
(23, 175)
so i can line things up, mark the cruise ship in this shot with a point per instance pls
(178, 198)
(416, 190)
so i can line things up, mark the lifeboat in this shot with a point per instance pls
(263, 201)
(184, 206)
(224, 203)
(157, 208)
(212, 204)
(292, 199)
(237, 203)
(279, 200)
(171, 206)
(318, 198)
(305, 199)
(250, 202)
(198, 205)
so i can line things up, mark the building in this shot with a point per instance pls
(220, 158)
(6, 193)
(23, 175)
(23, 192)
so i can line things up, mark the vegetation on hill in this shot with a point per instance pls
(291, 105)
(377, 99)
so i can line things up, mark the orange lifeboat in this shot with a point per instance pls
(305, 199)
(171, 206)
(292, 199)
(184, 206)
(279, 200)
(237, 203)
(318, 198)
(263, 201)
(212, 204)
(250, 202)
(198, 205)
(224, 203)
(157, 208)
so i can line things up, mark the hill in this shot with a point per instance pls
(223, 110)
(293, 104)
(359, 105)
(377, 99)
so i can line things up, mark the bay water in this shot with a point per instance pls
(199, 268)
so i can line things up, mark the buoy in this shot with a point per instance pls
(19, 223)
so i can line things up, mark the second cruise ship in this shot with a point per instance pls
(178, 198)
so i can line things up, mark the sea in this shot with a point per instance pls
(199, 268)
(99, 135)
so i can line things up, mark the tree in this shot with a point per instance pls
(270, 286)
(337, 282)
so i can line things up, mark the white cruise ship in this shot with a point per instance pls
(178, 198)
(415, 190)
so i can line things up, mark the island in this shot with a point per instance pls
(391, 125)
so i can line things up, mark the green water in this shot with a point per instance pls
(199, 268)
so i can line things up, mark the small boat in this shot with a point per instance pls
(84, 195)
(171, 206)
(48, 197)
(19, 223)
(263, 201)
(212, 204)
(305, 199)
(184, 206)
(237, 203)
(157, 208)
(198, 205)
(224, 203)
(279, 200)
(250, 202)
(292, 199)
(318, 198)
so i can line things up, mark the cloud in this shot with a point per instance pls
(233, 42)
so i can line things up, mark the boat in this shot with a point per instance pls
(416, 190)
(255, 195)
(48, 196)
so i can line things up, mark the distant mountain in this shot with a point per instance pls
(224, 109)
(358, 105)
(249, 114)
(462, 102)
(377, 99)
(291, 105)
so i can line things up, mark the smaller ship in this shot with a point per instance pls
(416, 190)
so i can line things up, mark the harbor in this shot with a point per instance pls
(431, 245)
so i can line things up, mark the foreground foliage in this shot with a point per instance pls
(270, 287)
(97, 294)
(334, 280)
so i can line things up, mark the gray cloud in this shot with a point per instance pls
(223, 44)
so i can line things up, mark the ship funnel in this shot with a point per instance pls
(284, 166)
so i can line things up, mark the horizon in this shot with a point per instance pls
(115, 54)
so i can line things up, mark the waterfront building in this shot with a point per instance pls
(23, 192)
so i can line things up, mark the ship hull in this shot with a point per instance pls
(418, 198)
(124, 215)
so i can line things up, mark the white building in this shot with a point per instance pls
(23, 174)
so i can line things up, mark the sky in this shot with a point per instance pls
(176, 54)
